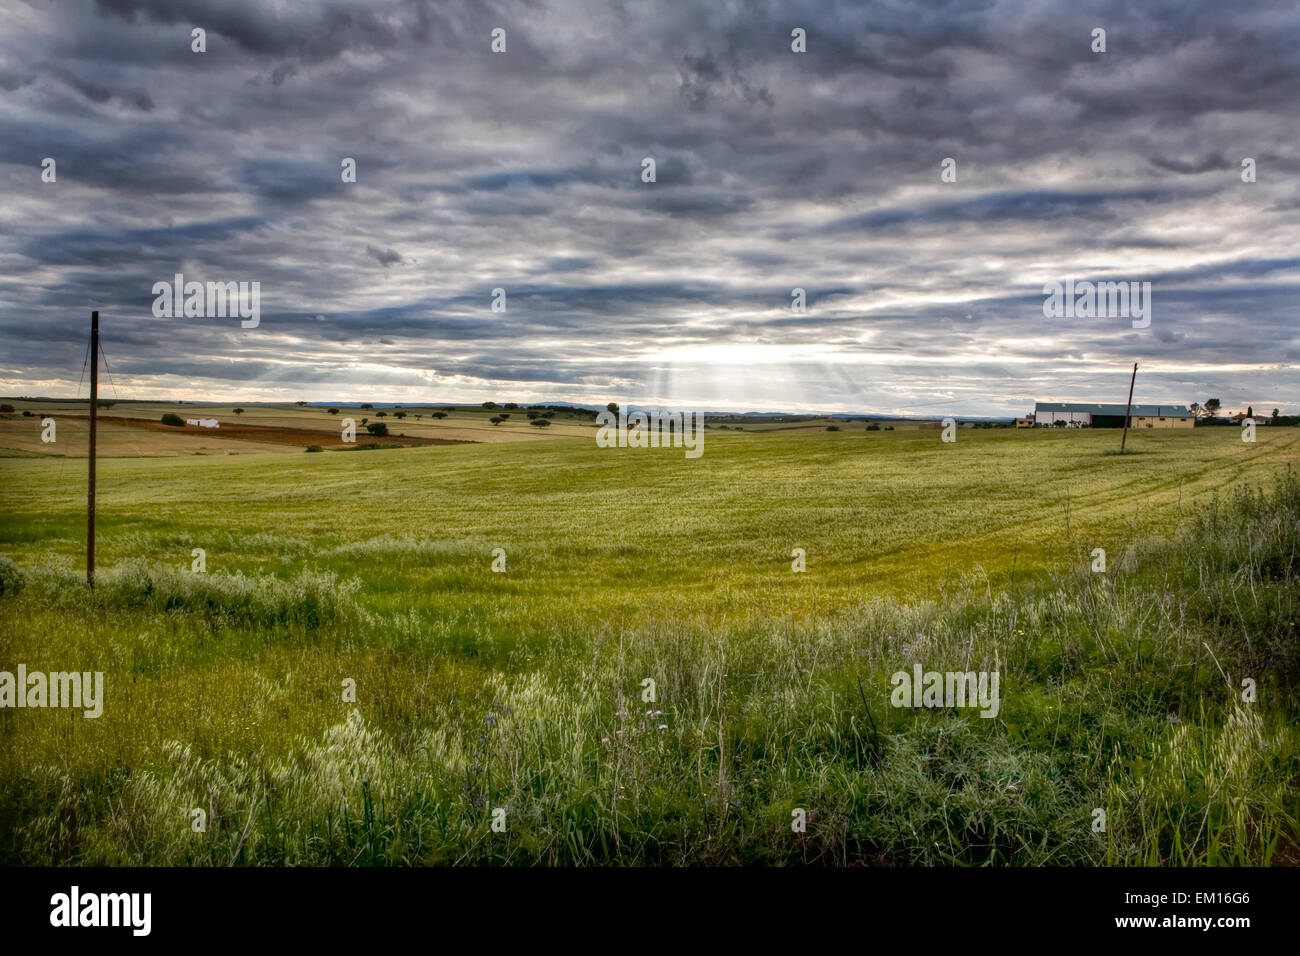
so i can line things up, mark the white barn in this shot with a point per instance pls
(1098, 415)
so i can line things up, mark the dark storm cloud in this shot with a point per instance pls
(102, 94)
(774, 170)
(1032, 206)
(86, 246)
(290, 182)
(385, 257)
(255, 28)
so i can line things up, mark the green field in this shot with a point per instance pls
(522, 690)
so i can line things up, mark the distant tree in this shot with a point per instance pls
(399, 414)
(366, 405)
(1211, 407)
(873, 427)
(173, 419)
(504, 415)
(548, 414)
(381, 414)
(300, 404)
(418, 415)
(101, 403)
(1250, 411)
(27, 413)
(439, 415)
(1276, 413)
(239, 411)
(512, 405)
(495, 419)
(377, 428)
(489, 404)
(364, 420)
(1196, 408)
(1059, 423)
(315, 448)
(540, 422)
(889, 428)
(612, 407)
(6, 409)
(832, 428)
(531, 414)
(334, 411)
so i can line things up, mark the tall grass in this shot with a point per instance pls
(310, 599)
(1120, 691)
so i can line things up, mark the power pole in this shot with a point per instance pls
(1123, 438)
(90, 485)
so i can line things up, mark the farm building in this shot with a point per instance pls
(1027, 422)
(1097, 415)
(203, 422)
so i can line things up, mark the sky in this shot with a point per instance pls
(522, 170)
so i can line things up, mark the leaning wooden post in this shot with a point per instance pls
(1128, 408)
(90, 484)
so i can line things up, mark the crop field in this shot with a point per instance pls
(135, 430)
(370, 657)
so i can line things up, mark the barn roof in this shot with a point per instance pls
(1098, 408)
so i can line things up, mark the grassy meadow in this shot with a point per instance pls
(521, 690)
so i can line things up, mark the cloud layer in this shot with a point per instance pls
(522, 171)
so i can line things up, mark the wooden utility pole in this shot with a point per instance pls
(90, 485)
(1128, 408)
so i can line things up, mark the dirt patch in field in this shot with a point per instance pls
(301, 437)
